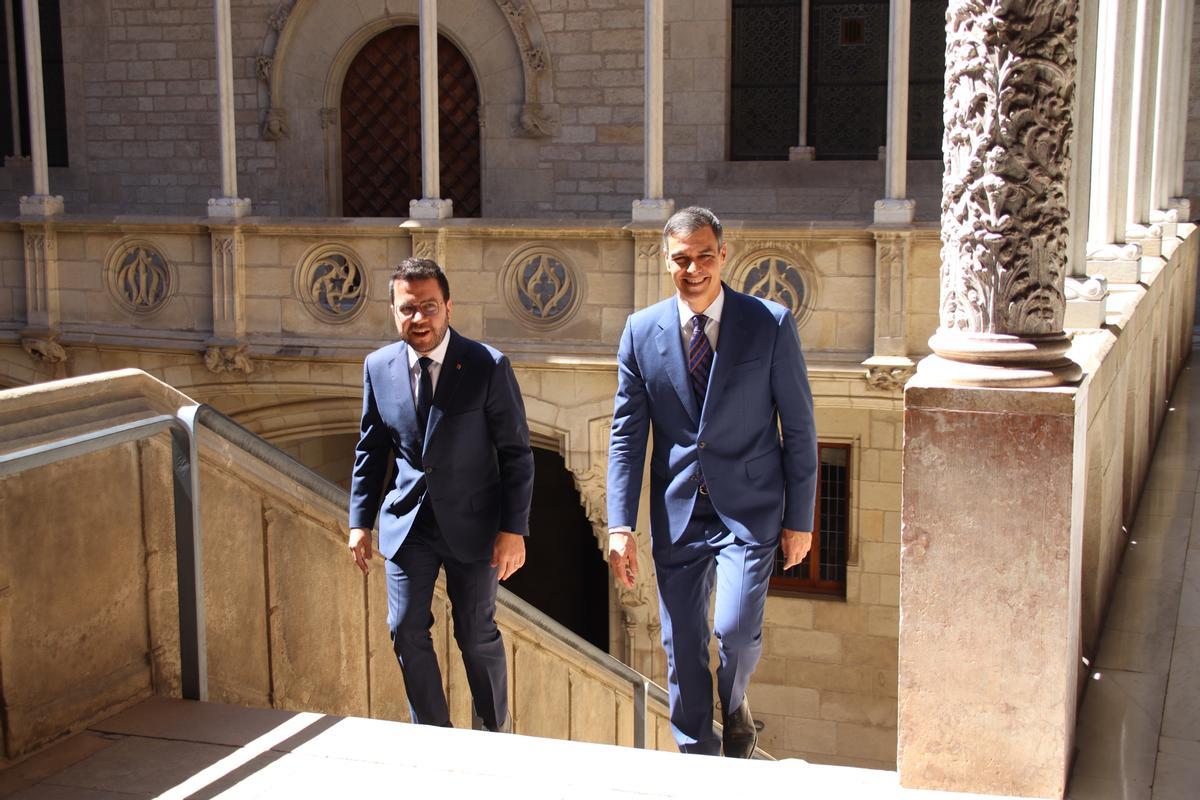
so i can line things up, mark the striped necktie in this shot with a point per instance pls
(700, 358)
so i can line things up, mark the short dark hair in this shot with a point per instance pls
(691, 219)
(418, 269)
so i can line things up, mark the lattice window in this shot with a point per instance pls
(381, 127)
(765, 90)
(823, 571)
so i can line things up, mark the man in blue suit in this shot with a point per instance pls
(450, 412)
(718, 377)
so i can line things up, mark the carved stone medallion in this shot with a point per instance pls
(541, 287)
(138, 276)
(332, 283)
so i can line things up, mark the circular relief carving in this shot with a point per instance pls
(139, 277)
(332, 283)
(778, 276)
(541, 287)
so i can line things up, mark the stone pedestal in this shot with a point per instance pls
(653, 210)
(229, 207)
(891, 211)
(802, 153)
(1118, 263)
(430, 209)
(989, 589)
(41, 205)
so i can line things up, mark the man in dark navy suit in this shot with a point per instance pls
(719, 379)
(447, 412)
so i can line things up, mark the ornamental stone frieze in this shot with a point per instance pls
(1010, 80)
(332, 283)
(779, 271)
(139, 278)
(41, 278)
(541, 287)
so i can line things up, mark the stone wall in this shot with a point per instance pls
(141, 106)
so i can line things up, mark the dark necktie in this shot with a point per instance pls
(700, 358)
(424, 394)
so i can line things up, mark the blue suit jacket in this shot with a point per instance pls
(758, 390)
(473, 464)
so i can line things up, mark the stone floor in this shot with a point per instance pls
(1138, 730)
(1138, 734)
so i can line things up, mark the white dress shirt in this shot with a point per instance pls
(437, 355)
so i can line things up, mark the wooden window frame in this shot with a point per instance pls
(813, 585)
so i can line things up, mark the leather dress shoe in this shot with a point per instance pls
(738, 734)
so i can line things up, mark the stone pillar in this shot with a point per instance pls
(1004, 212)
(1108, 252)
(1178, 202)
(895, 208)
(804, 151)
(431, 205)
(41, 203)
(890, 366)
(228, 204)
(226, 351)
(1141, 144)
(14, 103)
(653, 207)
(1086, 296)
(989, 646)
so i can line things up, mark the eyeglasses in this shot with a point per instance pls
(429, 308)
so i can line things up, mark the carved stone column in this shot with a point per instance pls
(228, 204)
(649, 270)
(653, 207)
(1011, 73)
(226, 350)
(890, 366)
(431, 205)
(40, 336)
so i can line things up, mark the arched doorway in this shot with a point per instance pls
(565, 575)
(381, 127)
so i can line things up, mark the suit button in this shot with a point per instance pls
(702, 445)
(428, 470)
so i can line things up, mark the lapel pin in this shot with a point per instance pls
(458, 365)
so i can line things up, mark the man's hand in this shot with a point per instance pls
(360, 548)
(622, 557)
(796, 545)
(508, 553)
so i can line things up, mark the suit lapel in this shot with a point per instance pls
(670, 347)
(449, 379)
(732, 342)
(402, 383)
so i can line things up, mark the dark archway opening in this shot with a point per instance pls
(564, 575)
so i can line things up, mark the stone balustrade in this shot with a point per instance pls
(89, 580)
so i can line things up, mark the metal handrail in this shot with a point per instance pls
(183, 427)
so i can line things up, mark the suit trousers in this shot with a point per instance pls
(686, 570)
(472, 586)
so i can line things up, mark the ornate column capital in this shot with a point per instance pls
(1011, 73)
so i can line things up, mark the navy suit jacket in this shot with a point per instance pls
(758, 390)
(473, 464)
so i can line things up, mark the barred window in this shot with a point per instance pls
(823, 571)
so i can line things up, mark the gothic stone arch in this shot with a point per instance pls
(310, 45)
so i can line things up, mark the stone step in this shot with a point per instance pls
(176, 749)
